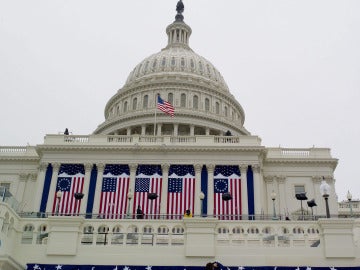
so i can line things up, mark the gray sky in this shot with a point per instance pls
(294, 66)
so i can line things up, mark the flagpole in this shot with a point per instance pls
(155, 115)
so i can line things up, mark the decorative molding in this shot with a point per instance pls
(197, 168)
(165, 167)
(23, 176)
(88, 167)
(100, 167)
(210, 168)
(43, 166)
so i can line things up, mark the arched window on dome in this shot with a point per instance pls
(125, 106)
(183, 100)
(195, 102)
(217, 108)
(226, 111)
(171, 98)
(146, 102)
(182, 62)
(201, 68)
(207, 104)
(154, 64)
(192, 63)
(163, 62)
(173, 61)
(134, 107)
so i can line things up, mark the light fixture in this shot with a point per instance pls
(325, 191)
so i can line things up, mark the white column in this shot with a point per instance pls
(192, 128)
(317, 196)
(100, 171)
(28, 196)
(197, 206)
(23, 178)
(207, 131)
(39, 187)
(244, 190)
(84, 201)
(159, 126)
(143, 130)
(164, 188)
(210, 197)
(133, 168)
(258, 185)
(56, 167)
(282, 204)
(128, 131)
(176, 129)
(269, 180)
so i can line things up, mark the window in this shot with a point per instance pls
(217, 107)
(171, 98)
(207, 104)
(226, 111)
(134, 104)
(125, 106)
(183, 100)
(163, 62)
(145, 101)
(195, 102)
(299, 189)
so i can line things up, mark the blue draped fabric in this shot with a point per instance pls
(250, 187)
(45, 194)
(204, 187)
(91, 192)
(139, 267)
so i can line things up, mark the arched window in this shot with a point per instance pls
(145, 102)
(183, 100)
(125, 106)
(217, 107)
(207, 104)
(226, 111)
(195, 102)
(171, 98)
(134, 104)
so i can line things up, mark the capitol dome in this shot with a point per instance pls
(201, 98)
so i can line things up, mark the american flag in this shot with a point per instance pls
(148, 180)
(227, 180)
(181, 190)
(115, 187)
(165, 106)
(70, 181)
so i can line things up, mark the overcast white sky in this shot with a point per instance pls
(294, 66)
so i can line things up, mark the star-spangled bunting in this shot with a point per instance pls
(70, 181)
(148, 180)
(181, 190)
(115, 187)
(227, 180)
(124, 267)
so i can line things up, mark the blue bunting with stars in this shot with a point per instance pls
(138, 267)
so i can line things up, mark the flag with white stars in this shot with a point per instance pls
(227, 180)
(181, 190)
(115, 187)
(70, 181)
(148, 180)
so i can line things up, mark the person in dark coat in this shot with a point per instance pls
(139, 213)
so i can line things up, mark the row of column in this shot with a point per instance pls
(159, 130)
(164, 190)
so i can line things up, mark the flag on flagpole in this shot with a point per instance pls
(70, 181)
(115, 187)
(181, 190)
(165, 106)
(227, 180)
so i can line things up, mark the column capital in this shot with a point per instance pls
(56, 166)
(269, 179)
(165, 167)
(88, 167)
(280, 179)
(133, 166)
(210, 167)
(197, 168)
(43, 166)
(243, 168)
(23, 176)
(255, 168)
(33, 176)
(100, 166)
(316, 179)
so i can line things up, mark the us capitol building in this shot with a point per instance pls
(116, 199)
